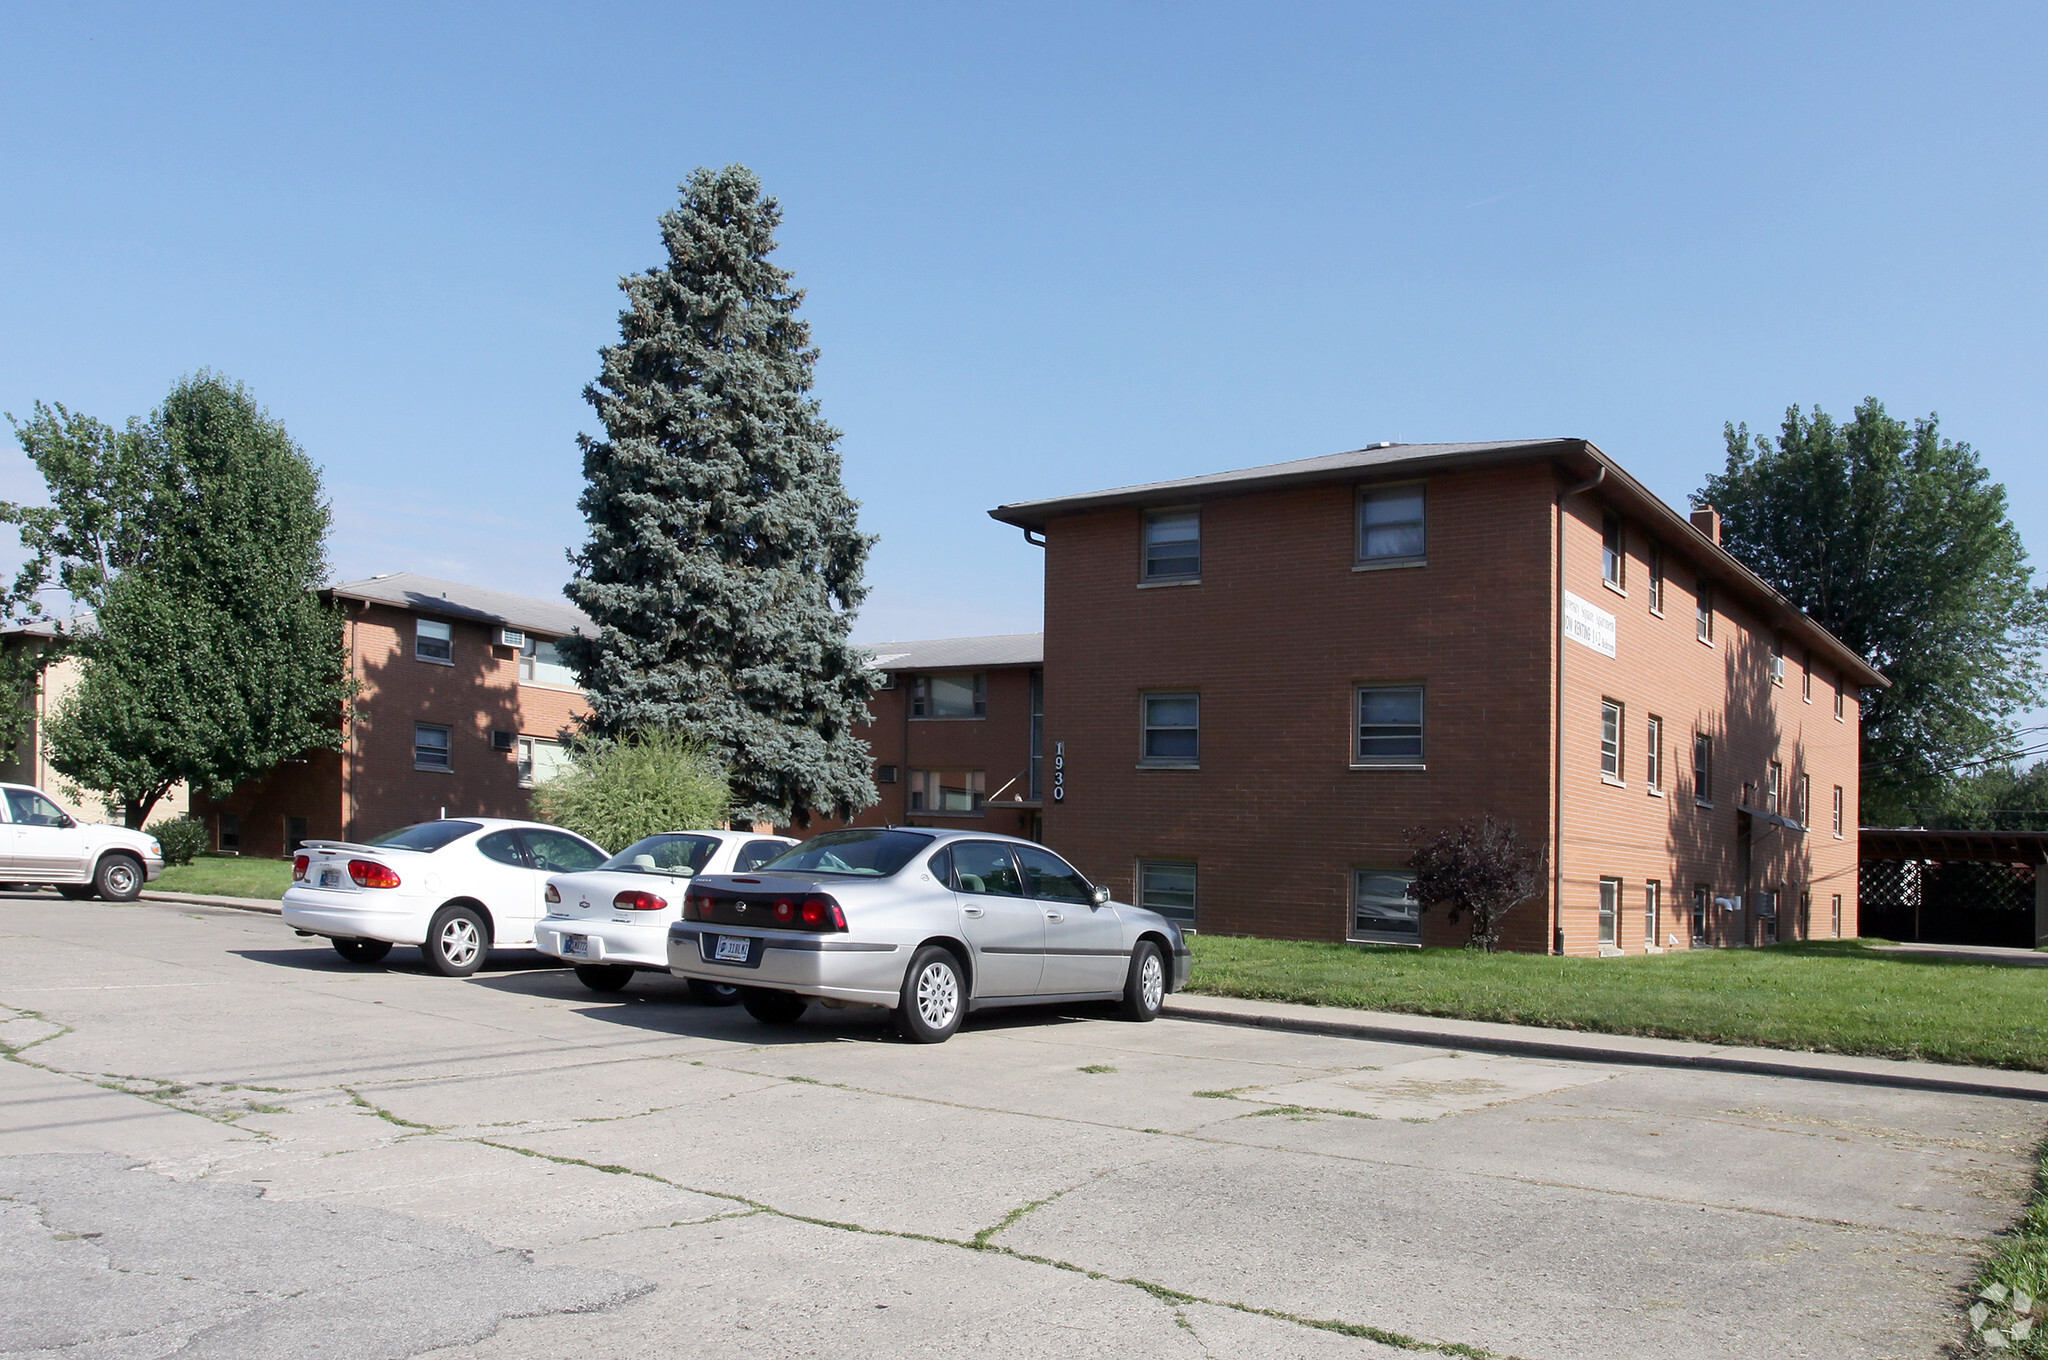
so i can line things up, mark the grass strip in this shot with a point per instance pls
(1832, 996)
(2009, 1313)
(211, 876)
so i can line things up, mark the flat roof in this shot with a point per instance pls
(1580, 457)
(453, 599)
(939, 654)
(1913, 842)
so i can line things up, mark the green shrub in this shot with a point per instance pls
(616, 792)
(181, 837)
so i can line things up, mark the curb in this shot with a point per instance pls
(257, 904)
(1580, 1046)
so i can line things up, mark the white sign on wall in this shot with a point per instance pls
(1588, 625)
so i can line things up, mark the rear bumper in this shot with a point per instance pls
(605, 942)
(837, 968)
(345, 916)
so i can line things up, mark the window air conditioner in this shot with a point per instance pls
(511, 637)
(502, 741)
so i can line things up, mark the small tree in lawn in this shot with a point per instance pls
(724, 560)
(619, 792)
(1477, 868)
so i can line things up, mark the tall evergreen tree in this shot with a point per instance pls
(724, 560)
(198, 540)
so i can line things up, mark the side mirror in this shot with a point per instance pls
(66, 820)
(1100, 897)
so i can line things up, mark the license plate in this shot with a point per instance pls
(576, 944)
(731, 949)
(330, 878)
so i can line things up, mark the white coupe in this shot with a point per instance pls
(456, 888)
(613, 921)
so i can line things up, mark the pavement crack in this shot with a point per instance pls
(387, 1116)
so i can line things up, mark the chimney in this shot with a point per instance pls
(1707, 520)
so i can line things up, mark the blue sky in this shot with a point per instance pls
(1048, 249)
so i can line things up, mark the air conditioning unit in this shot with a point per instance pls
(503, 741)
(885, 774)
(511, 637)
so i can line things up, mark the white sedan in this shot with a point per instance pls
(456, 888)
(613, 921)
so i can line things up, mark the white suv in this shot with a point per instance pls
(42, 843)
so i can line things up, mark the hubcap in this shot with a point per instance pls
(120, 878)
(938, 995)
(459, 941)
(1152, 982)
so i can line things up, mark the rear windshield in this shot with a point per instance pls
(867, 853)
(426, 835)
(664, 854)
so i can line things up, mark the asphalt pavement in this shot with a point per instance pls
(219, 1139)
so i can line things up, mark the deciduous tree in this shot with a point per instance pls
(725, 558)
(1480, 869)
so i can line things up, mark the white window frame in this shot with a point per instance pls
(1613, 719)
(1703, 769)
(1146, 575)
(1146, 728)
(446, 765)
(927, 782)
(1655, 590)
(526, 748)
(1614, 554)
(1363, 561)
(1777, 661)
(1653, 910)
(422, 636)
(1838, 812)
(1418, 761)
(1653, 755)
(1703, 612)
(1610, 913)
(1149, 899)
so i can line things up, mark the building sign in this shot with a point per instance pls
(1059, 772)
(1588, 625)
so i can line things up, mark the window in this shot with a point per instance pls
(1052, 879)
(1389, 726)
(503, 847)
(754, 854)
(985, 867)
(1836, 909)
(885, 774)
(429, 747)
(1777, 660)
(964, 695)
(1703, 769)
(1838, 698)
(26, 807)
(1803, 928)
(1774, 795)
(1767, 916)
(1702, 898)
(541, 664)
(1653, 754)
(888, 681)
(558, 852)
(294, 834)
(539, 760)
(1806, 676)
(953, 793)
(1173, 729)
(667, 853)
(1173, 545)
(1838, 811)
(1613, 559)
(1653, 906)
(1610, 739)
(1610, 911)
(1167, 886)
(433, 640)
(1381, 909)
(1656, 587)
(1037, 735)
(1392, 525)
(1805, 817)
(230, 834)
(1703, 613)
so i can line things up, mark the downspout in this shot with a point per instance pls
(1557, 718)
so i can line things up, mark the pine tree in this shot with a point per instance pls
(724, 560)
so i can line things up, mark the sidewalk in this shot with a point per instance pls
(269, 904)
(1481, 1036)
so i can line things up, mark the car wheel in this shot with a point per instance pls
(1145, 986)
(773, 1008)
(934, 997)
(362, 951)
(603, 977)
(119, 878)
(713, 993)
(457, 941)
(77, 892)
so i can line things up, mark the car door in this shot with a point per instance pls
(549, 853)
(47, 844)
(1005, 929)
(505, 882)
(1084, 943)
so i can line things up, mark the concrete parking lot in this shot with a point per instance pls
(216, 1136)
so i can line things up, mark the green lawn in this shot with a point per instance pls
(1837, 996)
(228, 877)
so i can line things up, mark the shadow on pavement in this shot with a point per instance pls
(403, 958)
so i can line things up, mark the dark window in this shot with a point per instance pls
(1381, 908)
(1702, 898)
(230, 833)
(1173, 729)
(985, 867)
(754, 854)
(1173, 545)
(430, 747)
(558, 852)
(940, 866)
(1052, 878)
(503, 847)
(1167, 886)
(426, 836)
(1392, 524)
(1613, 559)
(964, 695)
(885, 774)
(1656, 588)
(1703, 768)
(1703, 613)
(29, 808)
(1389, 726)
(294, 834)
(857, 852)
(1037, 735)
(432, 640)
(1653, 753)
(1610, 738)
(666, 853)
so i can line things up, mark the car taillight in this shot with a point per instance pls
(552, 895)
(299, 867)
(820, 912)
(369, 874)
(639, 899)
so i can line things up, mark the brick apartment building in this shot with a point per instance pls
(461, 703)
(954, 730)
(1258, 681)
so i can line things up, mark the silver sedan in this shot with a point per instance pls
(930, 924)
